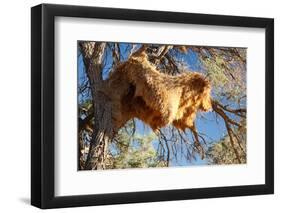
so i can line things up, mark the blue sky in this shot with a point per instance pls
(206, 123)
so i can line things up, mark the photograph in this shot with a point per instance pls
(144, 105)
(141, 105)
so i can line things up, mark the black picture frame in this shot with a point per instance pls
(43, 102)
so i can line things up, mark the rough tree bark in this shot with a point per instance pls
(103, 131)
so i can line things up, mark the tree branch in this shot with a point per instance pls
(227, 121)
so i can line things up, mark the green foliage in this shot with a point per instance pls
(222, 152)
(216, 73)
(226, 71)
(130, 150)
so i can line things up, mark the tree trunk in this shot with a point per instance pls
(102, 134)
(103, 131)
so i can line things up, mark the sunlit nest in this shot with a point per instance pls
(138, 90)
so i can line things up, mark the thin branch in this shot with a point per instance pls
(162, 135)
(227, 122)
(240, 112)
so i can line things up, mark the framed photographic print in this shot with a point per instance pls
(139, 106)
